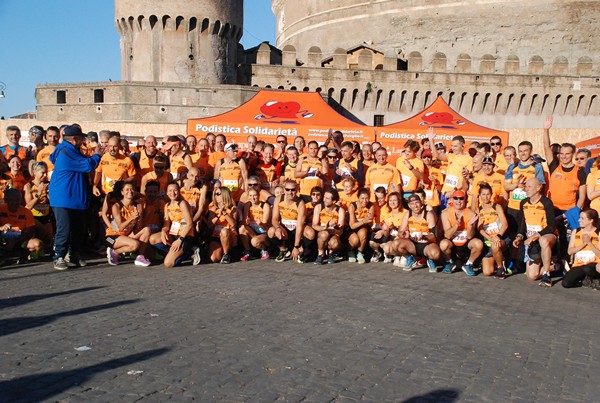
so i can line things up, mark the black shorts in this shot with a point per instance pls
(420, 248)
(461, 251)
(381, 240)
(111, 239)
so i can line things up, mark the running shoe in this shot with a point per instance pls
(301, 258)
(60, 264)
(431, 265)
(264, 255)
(500, 273)
(226, 259)
(420, 263)
(351, 257)
(376, 257)
(411, 262)
(112, 256)
(319, 259)
(141, 260)
(245, 256)
(360, 258)
(196, 255)
(388, 258)
(448, 267)
(281, 257)
(468, 268)
(400, 261)
(509, 270)
(331, 258)
(74, 261)
(545, 281)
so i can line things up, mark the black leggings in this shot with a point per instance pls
(575, 276)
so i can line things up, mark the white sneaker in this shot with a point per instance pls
(196, 255)
(388, 259)
(400, 261)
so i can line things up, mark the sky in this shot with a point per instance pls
(63, 41)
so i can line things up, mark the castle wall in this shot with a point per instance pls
(179, 41)
(548, 28)
(509, 96)
(137, 101)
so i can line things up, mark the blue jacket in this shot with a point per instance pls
(70, 186)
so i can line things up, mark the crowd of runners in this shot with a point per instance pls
(481, 207)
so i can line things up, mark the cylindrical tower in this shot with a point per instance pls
(501, 28)
(181, 41)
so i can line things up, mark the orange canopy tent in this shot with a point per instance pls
(272, 113)
(592, 144)
(446, 123)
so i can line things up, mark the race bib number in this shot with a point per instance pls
(428, 195)
(175, 227)
(109, 183)
(289, 224)
(421, 237)
(451, 181)
(584, 257)
(232, 184)
(394, 232)
(492, 229)
(533, 229)
(459, 238)
(406, 180)
(41, 210)
(312, 172)
(518, 194)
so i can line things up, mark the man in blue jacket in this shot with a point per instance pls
(69, 193)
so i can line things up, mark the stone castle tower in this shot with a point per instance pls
(520, 29)
(179, 41)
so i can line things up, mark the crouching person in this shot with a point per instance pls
(418, 229)
(177, 234)
(585, 249)
(17, 227)
(328, 221)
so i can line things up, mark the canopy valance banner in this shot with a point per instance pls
(272, 113)
(445, 122)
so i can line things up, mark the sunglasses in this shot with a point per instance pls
(217, 194)
(290, 190)
(281, 141)
(458, 198)
(496, 144)
(253, 184)
(332, 156)
(579, 159)
(427, 156)
(315, 194)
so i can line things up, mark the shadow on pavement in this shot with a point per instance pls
(90, 266)
(15, 325)
(43, 386)
(16, 301)
(438, 395)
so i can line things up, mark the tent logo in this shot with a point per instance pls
(440, 120)
(279, 112)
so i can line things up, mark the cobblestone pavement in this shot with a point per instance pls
(265, 331)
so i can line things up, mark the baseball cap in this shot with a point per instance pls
(170, 144)
(488, 160)
(426, 153)
(439, 145)
(537, 158)
(412, 198)
(73, 130)
(231, 146)
(459, 193)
